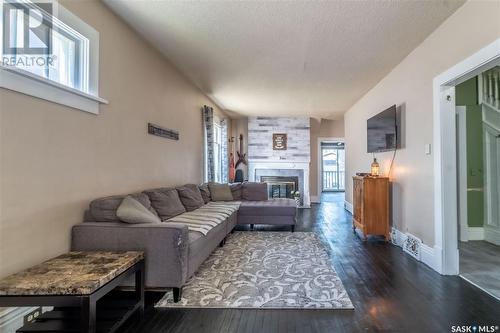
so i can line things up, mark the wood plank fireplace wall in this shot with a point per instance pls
(264, 161)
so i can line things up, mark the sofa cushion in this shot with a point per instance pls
(254, 191)
(220, 192)
(236, 190)
(104, 209)
(271, 207)
(132, 211)
(205, 218)
(205, 192)
(166, 202)
(190, 197)
(201, 246)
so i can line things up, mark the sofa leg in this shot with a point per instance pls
(251, 227)
(293, 227)
(222, 242)
(177, 294)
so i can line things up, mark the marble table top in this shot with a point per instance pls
(73, 273)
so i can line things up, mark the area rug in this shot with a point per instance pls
(271, 270)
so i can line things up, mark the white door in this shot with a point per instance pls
(492, 175)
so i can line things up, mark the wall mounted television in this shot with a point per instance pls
(383, 131)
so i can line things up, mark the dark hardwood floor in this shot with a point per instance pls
(391, 292)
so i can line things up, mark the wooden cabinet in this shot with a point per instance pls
(371, 206)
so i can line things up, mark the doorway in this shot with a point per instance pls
(332, 164)
(445, 257)
(478, 156)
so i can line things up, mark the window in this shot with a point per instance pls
(218, 153)
(45, 47)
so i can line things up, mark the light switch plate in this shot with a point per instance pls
(427, 149)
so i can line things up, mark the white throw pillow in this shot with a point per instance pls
(132, 211)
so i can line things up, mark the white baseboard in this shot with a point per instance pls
(428, 257)
(492, 236)
(427, 254)
(464, 233)
(398, 238)
(475, 233)
(315, 199)
(348, 206)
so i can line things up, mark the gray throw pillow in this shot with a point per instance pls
(205, 193)
(190, 197)
(220, 192)
(104, 209)
(132, 211)
(166, 202)
(255, 192)
(236, 190)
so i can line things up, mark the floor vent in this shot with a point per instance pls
(412, 246)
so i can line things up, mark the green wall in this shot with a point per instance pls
(466, 95)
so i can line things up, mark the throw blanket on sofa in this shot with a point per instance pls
(207, 217)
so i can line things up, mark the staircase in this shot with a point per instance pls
(489, 88)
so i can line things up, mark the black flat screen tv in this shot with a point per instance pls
(383, 131)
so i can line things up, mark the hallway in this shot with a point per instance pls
(480, 264)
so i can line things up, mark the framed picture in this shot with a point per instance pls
(279, 141)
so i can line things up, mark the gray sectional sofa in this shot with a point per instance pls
(192, 226)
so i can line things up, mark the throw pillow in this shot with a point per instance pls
(166, 202)
(255, 192)
(190, 197)
(236, 190)
(205, 192)
(132, 211)
(220, 192)
(104, 209)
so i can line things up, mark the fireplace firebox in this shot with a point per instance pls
(281, 187)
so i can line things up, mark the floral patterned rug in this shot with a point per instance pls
(274, 270)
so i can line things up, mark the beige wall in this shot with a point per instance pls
(54, 159)
(469, 29)
(321, 128)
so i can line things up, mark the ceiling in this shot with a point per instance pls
(281, 58)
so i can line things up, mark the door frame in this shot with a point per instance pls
(320, 160)
(446, 259)
(461, 116)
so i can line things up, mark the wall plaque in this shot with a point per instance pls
(163, 132)
(279, 141)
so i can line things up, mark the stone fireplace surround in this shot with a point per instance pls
(258, 169)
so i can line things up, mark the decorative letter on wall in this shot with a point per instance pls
(163, 132)
(279, 141)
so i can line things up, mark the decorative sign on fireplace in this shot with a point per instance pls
(279, 141)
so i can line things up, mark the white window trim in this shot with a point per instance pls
(22, 81)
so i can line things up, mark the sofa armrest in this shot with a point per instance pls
(165, 246)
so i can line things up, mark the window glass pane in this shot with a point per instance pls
(63, 68)
(16, 28)
(218, 152)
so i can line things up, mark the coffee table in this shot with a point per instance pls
(81, 287)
